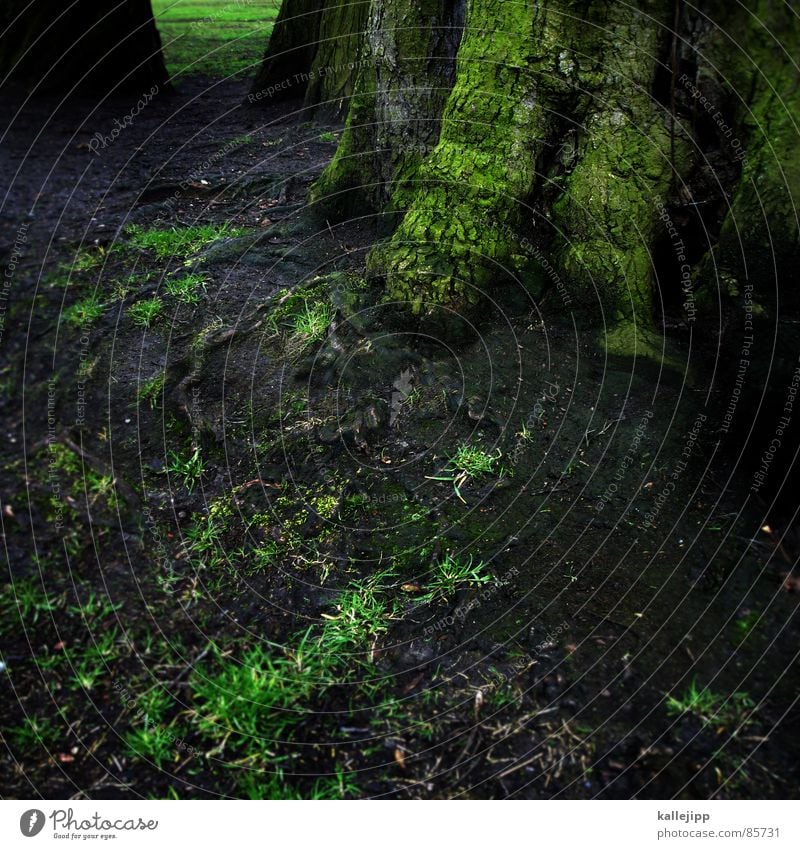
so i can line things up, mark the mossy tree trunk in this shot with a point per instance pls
(96, 45)
(560, 140)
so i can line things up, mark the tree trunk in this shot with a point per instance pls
(574, 145)
(294, 42)
(95, 45)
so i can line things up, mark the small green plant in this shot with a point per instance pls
(35, 731)
(264, 556)
(151, 390)
(188, 468)
(86, 258)
(712, 709)
(90, 663)
(153, 740)
(361, 616)
(273, 786)
(101, 488)
(469, 463)
(144, 313)
(94, 609)
(179, 243)
(258, 699)
(327, 137)
(525, 433)
(83, 313)
(474, 462)
(186, 289)
(123, 286)
(312, 322)
(27, 600)
(450, 575)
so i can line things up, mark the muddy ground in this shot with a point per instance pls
(622, 560)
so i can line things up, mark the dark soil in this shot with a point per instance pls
(551, 680)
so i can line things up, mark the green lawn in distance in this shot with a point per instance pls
(215, 38)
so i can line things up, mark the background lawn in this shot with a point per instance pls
(215, 38)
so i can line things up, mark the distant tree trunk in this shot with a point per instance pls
(97, 45)
(571, 144)
(292, 47)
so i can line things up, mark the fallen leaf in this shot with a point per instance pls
(400, 758)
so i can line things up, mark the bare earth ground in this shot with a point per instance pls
(130, 585)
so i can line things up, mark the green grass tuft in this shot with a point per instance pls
(450, 575)
(179, 243)
(712, 709)
(144, 313)
(188, 468)
(151, 390)
(187, 288)
(84, 313)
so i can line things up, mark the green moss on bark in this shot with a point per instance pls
(608, 212)
(405, 75)
(757, 87)
(464, 211)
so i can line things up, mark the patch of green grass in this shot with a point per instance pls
(86, 258)
(64, 459)
(249, 703)
(26, 600)
(469, 463)
(450, 575)
(327, 137)
(187, 288)
(189, 468)
(100, 487)
(91, 661)
(154, 742)
(154, 739)
(214, 39)
(258, 785)
(151, 390)
(36, 731)
(473, 461)
(123, 286)
(312, 322)
(361, 617)
(94, 609)
(264, 556)
(712, 709)
(179, 242)
(84, 313)
(144, 313)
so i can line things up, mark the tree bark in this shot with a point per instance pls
(95, 45)
(565, 143)
(290, 54)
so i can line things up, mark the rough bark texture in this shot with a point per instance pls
(290, 54)
(314, 53)
(576, 124)
(405, 74)
(757, 84)
(337, 60)
(97, 45)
